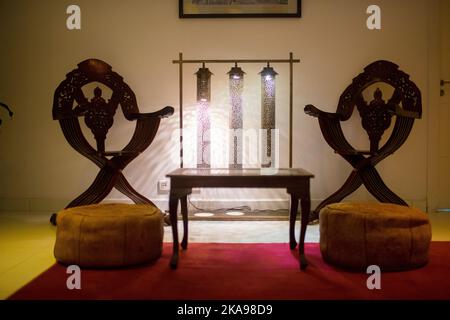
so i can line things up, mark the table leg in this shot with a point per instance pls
(184, 214)
(306, 208)
(173, 206)
(292, 218)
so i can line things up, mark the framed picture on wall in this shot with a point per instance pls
(239, 8)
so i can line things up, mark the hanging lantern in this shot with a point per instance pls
(203, 118)
(268, 75)
(236, 87)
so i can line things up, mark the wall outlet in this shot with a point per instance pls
(163, 186)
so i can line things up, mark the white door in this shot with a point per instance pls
(443, 193)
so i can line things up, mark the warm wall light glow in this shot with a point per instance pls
(268, 116)
(236, 121)
(203, 118)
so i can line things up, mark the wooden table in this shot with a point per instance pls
(295, 181)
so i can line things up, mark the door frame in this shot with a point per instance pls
(432, 104)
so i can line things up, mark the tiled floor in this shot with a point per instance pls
(27, 239)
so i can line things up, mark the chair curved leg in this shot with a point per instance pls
(352, 183)
(375, 185)
(98, 190)
(124, 187)
(53, 219)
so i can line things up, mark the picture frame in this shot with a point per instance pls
(239, 8)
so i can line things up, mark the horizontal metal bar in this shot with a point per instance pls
(239, 61)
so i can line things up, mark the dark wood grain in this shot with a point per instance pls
(295, 181)
(70, 104)
(376, 117)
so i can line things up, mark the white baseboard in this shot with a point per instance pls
(54, 205)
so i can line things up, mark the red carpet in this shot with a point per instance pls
(244, 271)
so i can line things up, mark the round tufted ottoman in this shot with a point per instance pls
(109, 235)
(356, 235)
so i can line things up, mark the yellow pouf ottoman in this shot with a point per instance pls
(109, 235)
(357, 235)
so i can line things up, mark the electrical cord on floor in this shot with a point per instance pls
(270, 210)
(314, 219)
(241, 208)
(245, 209)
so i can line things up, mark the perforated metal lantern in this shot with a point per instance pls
(268, 75)
(236, 76)
(203, 117)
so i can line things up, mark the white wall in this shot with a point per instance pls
(140, 38)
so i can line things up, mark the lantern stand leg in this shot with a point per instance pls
(291, 112)
(181, 107)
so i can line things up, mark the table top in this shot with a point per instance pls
(257, 172)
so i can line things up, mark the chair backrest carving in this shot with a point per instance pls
(375, 118)
(99, 117)
(98, 113)
(376, 115)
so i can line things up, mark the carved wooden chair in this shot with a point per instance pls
(70, 103)
(376, 116)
